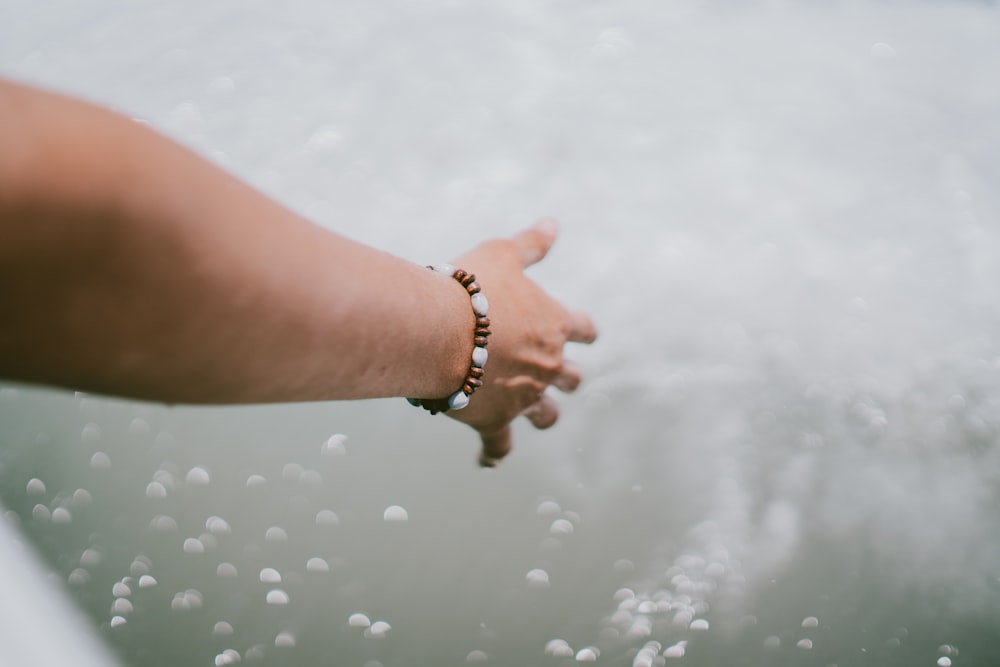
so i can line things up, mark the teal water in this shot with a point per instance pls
(783, 218)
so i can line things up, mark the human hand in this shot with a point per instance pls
(529, 330)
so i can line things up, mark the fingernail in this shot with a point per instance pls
(548, 226)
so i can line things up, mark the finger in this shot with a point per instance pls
(496, 445)
(534, 243)
(581, 328)
(542, 414)
(569, 377)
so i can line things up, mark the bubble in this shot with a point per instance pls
(270, 576)
(944, 661)
(623, 566)
(226, 570)
(537, 578)
(139, 428)
(316, 564)
(121, 606)
(699, 624)
(277, 596)
(256, 480)
(810, 622)
(561, 527)
(156, 490)
(623, 594)
(327, 518)
(395, 513)
(61, 515)
(222, 628)
(805, 644)
(334, 445)
(275, 534)
(476, 657)
(284, 640)
(186, 600)
(35, 487)
(588, 654)
(198, 476)
(146, 581)
(193, 545)
(358, 620)
(117, 621)
(121, 590)
(82, 497)
(559, 648)
(378, 629)
(140, 565)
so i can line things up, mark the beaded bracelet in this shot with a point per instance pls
(480, 338)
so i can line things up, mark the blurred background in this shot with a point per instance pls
(782, 215)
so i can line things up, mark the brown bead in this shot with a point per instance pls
(468, 389)
(467, 279)
(473, 382)
(482, 331)
(476, 372)
(459, 274)
(482, 321)
(473, 288)
(481, 341)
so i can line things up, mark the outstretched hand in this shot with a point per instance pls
(530, 329)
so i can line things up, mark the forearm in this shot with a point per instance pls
(129, 265)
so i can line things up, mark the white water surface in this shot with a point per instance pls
(784, 218)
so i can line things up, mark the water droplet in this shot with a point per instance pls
(121, 590)
(90, 558)
(217, 525)
(561, 527)
(163, 523)
(193, 545)
(270, 576)
(327, 518)
(227, 570)
(623, 594)
(156, 490)
(317, 565)
(140, 565)
(61, 515)
(944, 661)
(139, 428)
(227, 657)
(275, 534)
(476, 657)
(675, 651)
(699, 624)
(78, 577)
(378, 629)
(358, 620)
(36, 487)
(537, 578)
(256, 480)
(810, 622)
(117, 621)
(198, 475)
(121, 606)
(82, 497)
(146, 581)
(805, 644)
(588, 654)
(222, 628)
(284, 640)
(334, 446)
(395, 513)
(90, 433)
(548, 508)
(277, 596)
(559, 648)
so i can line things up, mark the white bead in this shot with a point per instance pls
(479, 356)
(480, 305)
(458, 400)
(446, 269)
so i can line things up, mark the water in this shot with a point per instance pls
(782, 216)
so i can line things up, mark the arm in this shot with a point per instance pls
(130, 266)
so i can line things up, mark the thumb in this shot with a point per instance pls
(496, 445)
